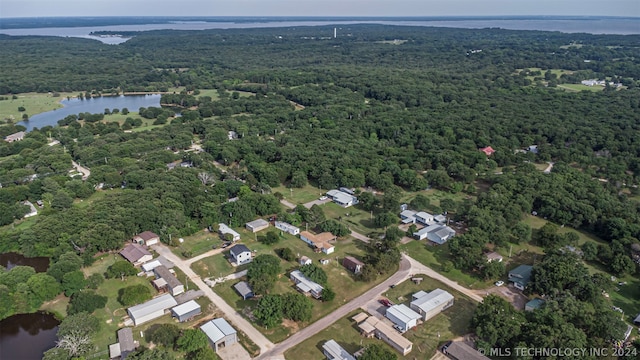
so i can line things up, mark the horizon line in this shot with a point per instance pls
(322, 16)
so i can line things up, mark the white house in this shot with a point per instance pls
(436, 233)
(286, 227)
(402, 316)
(430, 304)
(424, 218)
(186, 311)
(220, 333)
(305, 261)
(333, 351)
(240, 254)
(152, 309)
(15, 137)
(305, 285)
(223, 229)
(342, 198)
(408, 216)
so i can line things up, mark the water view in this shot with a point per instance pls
(11, 260)
(27, 336)
(95, 105)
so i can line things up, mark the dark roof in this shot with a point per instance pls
(239, 249)
(147, 235)
(125, 338)
(350, 260)
(134, 252)
(243, 289)
(461, 351)
(162, 272)
(534, 304)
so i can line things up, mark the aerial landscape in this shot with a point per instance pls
(319, 180)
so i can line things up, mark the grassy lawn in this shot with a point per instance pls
(198, 243)
(452, 323)
(353, 217)
(214, 266)
(299, 196)
(101, 264)
(435, 256)
(34, 103)
(580, 87)
(57, 306)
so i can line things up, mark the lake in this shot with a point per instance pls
(619, 26)
(94, 105)
(11, 259)
(27, 336)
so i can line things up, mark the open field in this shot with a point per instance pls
(34, 103)
(452, 323)
(580, 87)
(299, 196)
(57, 306)
(198, 243)
(353, 217)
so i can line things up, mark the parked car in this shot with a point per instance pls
(323, 198)
(499, 283)
(385, 302)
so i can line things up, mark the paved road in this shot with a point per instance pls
(85, 172)
(230, 313)
(302, 335)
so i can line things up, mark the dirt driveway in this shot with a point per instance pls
(507, 292)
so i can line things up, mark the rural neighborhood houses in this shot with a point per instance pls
(403, 317)
(353, 264)
(166, 280)
(431, 304)
(333, 351)
(257, 225)
(151, 309)
(146, 238)
(15, 137)
(240, 254)
(223, 230)
(438, 234)
(124, 346)
(342, 198)
(136, 254)
(459, 350)
(521, 276)
(186, 311)
(319, 241)
(304, 260)
(288, 228)
(305, 285)
(534, 304)
(220, 333)
(374, 327)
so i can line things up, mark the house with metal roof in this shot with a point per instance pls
(286, 227)
(151, 309)
(430, 304)
(436, 233)
(174, 286)
(146, 238)
(459, 350)
(15, 136)
(136, 254)
(402, 316)
(223, 230)
(240, 254)
(424, 218)
(220, 333)
(257, 225)
(441, 219)
(342, 198)
(333, 351)
(306, 285)
(408, 216)
(244, 289)
(124, 346)
(160, 260)
(534, 304)
(373, 326)
(521, 276)
(186, 311)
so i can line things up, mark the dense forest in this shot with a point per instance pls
(361, 111)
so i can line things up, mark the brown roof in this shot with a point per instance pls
(147, 235)
(493, 256)
(164, 273)
(350, 260)
(325, 237)
(134, 252)
(321, 240)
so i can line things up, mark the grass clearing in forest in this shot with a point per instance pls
(33, 103)
(426, 337)
(580, 87)
(198, 243)
(299, 196)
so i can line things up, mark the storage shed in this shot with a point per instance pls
(186, 311)
(152, 309)
(220, 333)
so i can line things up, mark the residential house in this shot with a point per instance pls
(493, 256)
(136, 254)
(459, 350)
(488, 150)
(240, 254)
(438, 234)
(306, 285)
(324, 261)
(532, 149)
(373, 326)
(15, 137)
(521, 276)
(352, 264)
(408, 216)
(151, 309)
(286, 227)
(32, 209)
(342, 198)
(146, 238)
(244, 289)
(424, 218)
(431, 304)
(186, 311)
(533, 304)
(333, 351)
(304, 261)
(257, 225)
(402, 316)
(223, 230)
(173, 285)
(440, 219)
(220, 333)
(320, 241)
(124, 346)
(636, 321)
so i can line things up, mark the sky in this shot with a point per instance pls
(43, 8)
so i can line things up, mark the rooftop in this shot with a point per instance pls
(186, 308)
(304, 283)
(461, 351)
(353, 260)
(125, 339)
(164, 273)
(161, 302)
(534, 304)
(217, 329)
(243, 288)
(239, 249)
(336, 351)
(430, 301)
(134, 252)
(403, 313)
(258, 223)
(147, 235)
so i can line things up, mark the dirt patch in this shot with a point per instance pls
(507, 292)
(291, 325)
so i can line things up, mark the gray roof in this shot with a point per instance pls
(432, 300)
(217, 329)
(257, 223)
(163, 302)
(162, 272)
(336, 351)
(403, 312)
(461, 351)
(341, 197)
(186, 308)
(239, 249)
(125, 339)
(225, 229)
(304, 283)
(243, 288)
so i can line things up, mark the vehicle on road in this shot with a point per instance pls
(499, 283)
